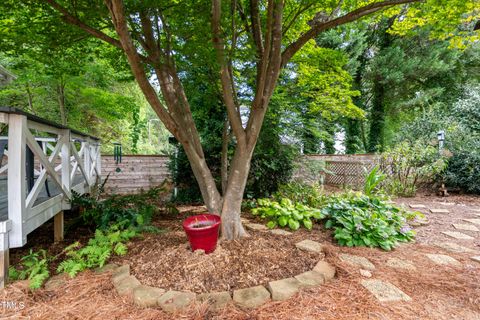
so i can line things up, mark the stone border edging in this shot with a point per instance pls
(143, 296)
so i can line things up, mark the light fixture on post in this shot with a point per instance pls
(441, 139)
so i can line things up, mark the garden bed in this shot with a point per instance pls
(166, 261)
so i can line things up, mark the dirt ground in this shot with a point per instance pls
(437, 292)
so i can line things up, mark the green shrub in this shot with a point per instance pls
(297, 192)
(360, 220)
(286, 213)
(463, 171)
(409, 166)
(33, 267)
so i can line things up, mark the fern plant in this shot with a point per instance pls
(34, 267)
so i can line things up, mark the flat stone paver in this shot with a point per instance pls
(252, 297)
(283, 289)
(217, 300)
(256, 226)
(401, 264)
(474, 221)
(173, 301)
(147, 297)
(453, 247)
(467, 227)
(476, 258)
(280, 232)
(357, 261)
(458, 235)
(384, 291)
(56, 281)
(442, 259)
(310, 279)
(120, 272)
(325, 269)
(439, 211)
(365, 273)
(126, 285)
(108, 267)
(417, 206)
(309, 245)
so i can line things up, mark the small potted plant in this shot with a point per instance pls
(202, 231)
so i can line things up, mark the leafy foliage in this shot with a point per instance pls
(409, 166)
(33, 267)
(360, 220)
(372, 181)
(298, 192)
(97, 251)
(287, 213)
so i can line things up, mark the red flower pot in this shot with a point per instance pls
(202, 231)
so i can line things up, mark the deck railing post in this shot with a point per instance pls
(17, 178)
(66, 165)
(5, 227)
(86, 162)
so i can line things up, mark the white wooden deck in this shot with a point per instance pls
(64, 159)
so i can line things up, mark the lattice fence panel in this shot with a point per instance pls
(348, 173)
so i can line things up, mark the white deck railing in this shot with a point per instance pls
(67, 159)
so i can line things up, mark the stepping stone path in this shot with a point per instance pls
(310, 245)
(357, 261)
(251, 297)
(453, 247)
(467, 227)
(325, 269)
(401, 264)
(474, 221)
(217, 300)
(439, 211)
(457, 235)
(173, 301)
(417, 206)
(442, 259)
(384, 291)
(280, 232)
(256, 226)
(365, 273)
(283, 289)
(476, 258)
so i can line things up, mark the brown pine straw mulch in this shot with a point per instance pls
(437, 292)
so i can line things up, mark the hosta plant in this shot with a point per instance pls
(286, 213)
(360, 220)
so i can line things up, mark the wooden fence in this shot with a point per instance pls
(344, 170)
(134, 173)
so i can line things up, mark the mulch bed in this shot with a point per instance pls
(166, 261)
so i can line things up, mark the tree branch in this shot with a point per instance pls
(316, 29)
(225, 78)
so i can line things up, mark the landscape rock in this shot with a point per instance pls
(280, 232)
(217, 300)
(120, 273)
(56, 281)
(442, 259)
(310, 279)
(365, 273)
(476, 258)
(357, 261)
(467, 227)
(199, 252)
(256, 226)
(474, 221)
(417, 206)
(458, 235)
(401, 264)
(173, 301)
(125, 285)
(453, 247)
(309, 245)
(252, 297)
(325, 269)
(107, 267)
(385, 291)
(439, 211)
(283, 289)
(146, 297)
